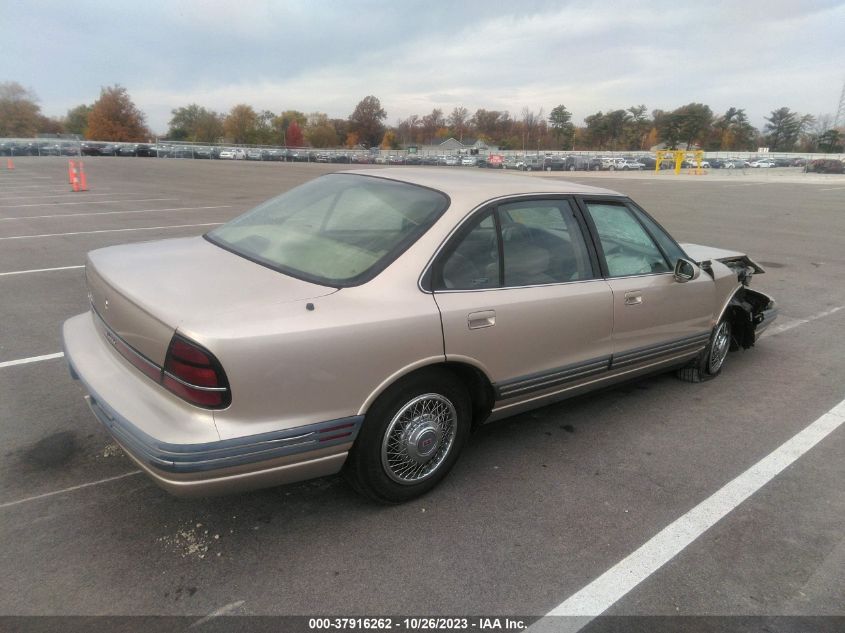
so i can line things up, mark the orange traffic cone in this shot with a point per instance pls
(71, 168)
(83, 182)
(10, 164)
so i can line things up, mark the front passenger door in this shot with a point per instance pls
(654, 316)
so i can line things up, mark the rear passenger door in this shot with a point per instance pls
(521, 297)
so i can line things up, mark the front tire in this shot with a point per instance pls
(411, 437)
(710, 363)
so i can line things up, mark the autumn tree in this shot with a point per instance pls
(367, 119)
(489, 124)
(76, 119)
(389, 140)
(409, 129)
(319, 132)
(114, 117)
(694, 120)
(431, 123)
(668, 126)
(282, 122)
(240, 124)
(637, 128)
(562, 128)
(732, 131)
(265, 131)
(195, 123)
(458, 121)
(294, 136)
(341, 128)
(351, 140)
(595, 133)
(20, 114)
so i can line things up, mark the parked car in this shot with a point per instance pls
(49, 149)
(469, 161)
(825, 166)
(143, 149)
(231, 153)
(69, 149)
(202, 152)
(762, 163)
(365, 322)
(127, 150)
(108, 150)
(554, 163)
(627, 164)
(255, 153)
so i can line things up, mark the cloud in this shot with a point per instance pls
(416, 56)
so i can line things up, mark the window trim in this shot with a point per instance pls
(627, 204)
(426, 279)
(638, 209)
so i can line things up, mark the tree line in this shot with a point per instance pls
(114, 117)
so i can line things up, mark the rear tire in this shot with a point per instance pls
(709, 364)
(411, 437)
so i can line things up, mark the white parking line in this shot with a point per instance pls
(146, 228)
(833, 189)
(20, 189)
(59, 204)
(77, 215)
(9, 504)
(66, 194)
(791, 323)
(224, 610)
(619, 580)
(31, 359)
(39, 270)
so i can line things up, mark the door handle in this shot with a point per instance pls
(634, 298)
(477, 320)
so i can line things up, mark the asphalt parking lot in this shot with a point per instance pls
(538, 507)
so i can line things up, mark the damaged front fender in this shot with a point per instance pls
(751, 312)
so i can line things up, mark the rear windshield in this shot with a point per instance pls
(337, 230)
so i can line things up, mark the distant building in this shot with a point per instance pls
(453, 145)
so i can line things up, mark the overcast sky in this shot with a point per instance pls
(417, 55)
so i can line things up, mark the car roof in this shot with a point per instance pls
(475, 187)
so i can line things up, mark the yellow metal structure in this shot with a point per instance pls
(678, 156)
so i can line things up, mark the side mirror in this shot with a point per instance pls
(686, 271)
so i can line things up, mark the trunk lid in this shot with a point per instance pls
(145, 292)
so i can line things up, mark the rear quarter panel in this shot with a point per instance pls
(293, 366)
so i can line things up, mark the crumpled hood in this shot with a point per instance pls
(700, 253)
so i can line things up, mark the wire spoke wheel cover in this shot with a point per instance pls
(720, 347)
(419, 438)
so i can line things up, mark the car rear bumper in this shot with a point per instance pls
(178, 445)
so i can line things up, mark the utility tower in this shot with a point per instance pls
(840, 111)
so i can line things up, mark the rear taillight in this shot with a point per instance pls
(193, 374)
